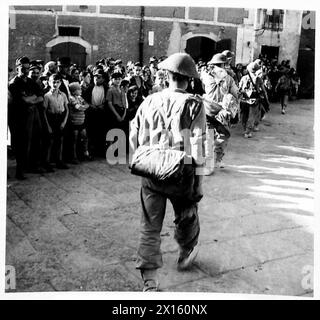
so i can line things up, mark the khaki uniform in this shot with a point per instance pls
(148, 128)
(217, 85)
(250, 102)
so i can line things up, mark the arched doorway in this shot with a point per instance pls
(76, 48)
(75, 51)
(201, 48)
(199, 45)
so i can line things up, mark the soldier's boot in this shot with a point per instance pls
(150, 280)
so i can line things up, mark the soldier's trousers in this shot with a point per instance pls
(253, 118)
(154, 197)
(220, 145)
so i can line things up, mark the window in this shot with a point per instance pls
(273, 19)
(69, 31)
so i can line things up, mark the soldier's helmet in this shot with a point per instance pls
(181, 63)
(253, 67)
(218, 58)
(229, 54)
(258, 62)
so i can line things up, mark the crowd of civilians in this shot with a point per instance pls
(59, 113)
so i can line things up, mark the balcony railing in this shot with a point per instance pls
(273, 21)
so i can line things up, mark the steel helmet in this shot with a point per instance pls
(229, 54)
(218, 58)
(253, 67)
(258, 62)
(181, 63)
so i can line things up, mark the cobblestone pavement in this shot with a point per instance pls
(77, 229)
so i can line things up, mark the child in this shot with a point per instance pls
(55, 116)
(77, 117)
(159, 83)
(117, 106)
(116, 101)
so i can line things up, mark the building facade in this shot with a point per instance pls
(89, 33)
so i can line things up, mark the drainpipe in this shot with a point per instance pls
(141, 35)
(55, 14)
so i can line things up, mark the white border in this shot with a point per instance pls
(297, 5)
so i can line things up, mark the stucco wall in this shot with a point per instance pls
(245, 45)
(287, 39)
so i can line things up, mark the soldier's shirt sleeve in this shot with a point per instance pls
(136, 122)
(241, 83)
(208, 83)
(135, 125)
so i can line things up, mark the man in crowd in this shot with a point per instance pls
(228, 67)
(97, 122)
(22, 113)
(251, 86)
(37, 132)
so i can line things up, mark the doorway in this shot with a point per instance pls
(305, 70)
(75, 51)
(270, 52)
(201, 48)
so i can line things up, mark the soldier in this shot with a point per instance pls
(148, 124)
(219, 88)
(229, 55)
(251, 87)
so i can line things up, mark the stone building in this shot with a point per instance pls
(89, 33)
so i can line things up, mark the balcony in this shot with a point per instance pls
(273, 20)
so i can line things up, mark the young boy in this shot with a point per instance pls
(56, 114)
(159, 83)
(117, 105)
(77, 117)
(116, 101)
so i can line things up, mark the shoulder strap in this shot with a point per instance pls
(254, 84)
